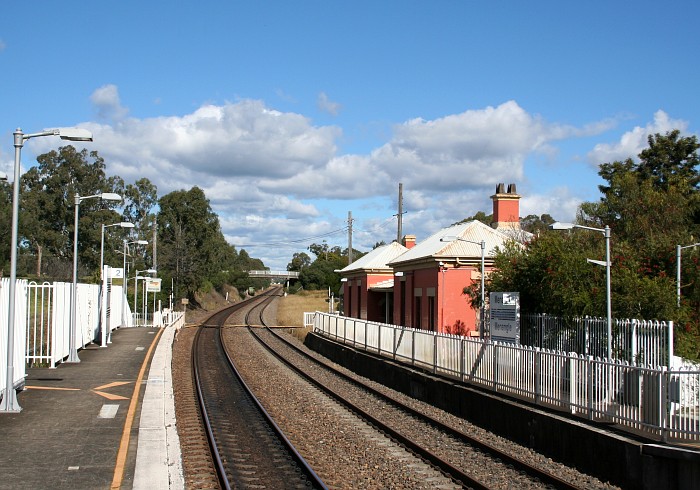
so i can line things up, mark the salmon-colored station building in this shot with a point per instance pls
(421, 285)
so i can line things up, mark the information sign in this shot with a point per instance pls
(505, 317)
(153, 284)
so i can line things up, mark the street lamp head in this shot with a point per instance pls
(110, 196)
(73, 134)
(561, 226)
(3, 176)
(126, 224)
(151, 271)
(448, 238)
(141, 242)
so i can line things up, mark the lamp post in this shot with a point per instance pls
(9, 399)
(72, 337)
(136, 288)
(126, 283)
(482, 243)
(678, 270)
(103, 320)
(606, 233)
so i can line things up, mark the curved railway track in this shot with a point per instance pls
(450, 450)
(352, 435)
(247, 447)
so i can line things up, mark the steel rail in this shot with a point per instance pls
(544, 476)
(217, 320)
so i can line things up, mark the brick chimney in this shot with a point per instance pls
(409, 241)
(506, 208)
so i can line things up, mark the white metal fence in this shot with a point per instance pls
(659, 402)
(20, 331)
(42, 322)
(636, 341)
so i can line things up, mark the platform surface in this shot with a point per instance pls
(79, 423)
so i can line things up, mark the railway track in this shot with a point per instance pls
(374, 444)
(452, 451)
(247, 447)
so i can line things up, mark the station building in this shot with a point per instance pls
(421, 285)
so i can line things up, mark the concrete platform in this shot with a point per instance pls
(81, 424)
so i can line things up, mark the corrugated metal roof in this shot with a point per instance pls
(377, 259)
(473, 231)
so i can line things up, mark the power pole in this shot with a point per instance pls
(400, 215)
(349, 237)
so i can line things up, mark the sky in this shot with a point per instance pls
(291, 114)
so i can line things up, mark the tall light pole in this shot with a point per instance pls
(606, 233)
(678, 270)
(136, 288)
(482, 243)
(103, 310)
(73, 333)
(125, 282)
(9, 400)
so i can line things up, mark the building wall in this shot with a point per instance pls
(434, 300)
(359, 302)
(454, 305)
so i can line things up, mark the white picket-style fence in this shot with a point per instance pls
(660, 402)
(42, 322)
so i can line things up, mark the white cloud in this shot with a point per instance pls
(327, 105)
(274, 177)
(558, 203)
(633, 142)
(107, 103)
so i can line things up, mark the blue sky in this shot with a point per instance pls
(290, 114)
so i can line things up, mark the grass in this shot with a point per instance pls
(291, 308)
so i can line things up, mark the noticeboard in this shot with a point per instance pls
(505, 317)
(153, 284)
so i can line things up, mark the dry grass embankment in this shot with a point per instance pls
(291, 308)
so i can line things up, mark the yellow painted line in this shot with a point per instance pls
(110, 396)
(51, 388)
(110, 385)
(126, 433)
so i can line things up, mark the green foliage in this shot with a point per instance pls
(320, 273)
(651, 205)
(47, 202)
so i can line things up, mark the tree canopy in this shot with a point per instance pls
(192, 253)
(651, 206)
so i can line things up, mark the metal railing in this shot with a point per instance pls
(659, 402)
(19, 340)
(42, 322)
(635, 341)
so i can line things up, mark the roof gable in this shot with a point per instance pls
(471, 234)
(377, 259)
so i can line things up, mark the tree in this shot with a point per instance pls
(5, 224)
(140, 199)
(300, 261)
(47, 202)
(650, 205)
(190, 240)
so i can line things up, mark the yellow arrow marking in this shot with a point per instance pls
(110, 385)
(111, 396)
